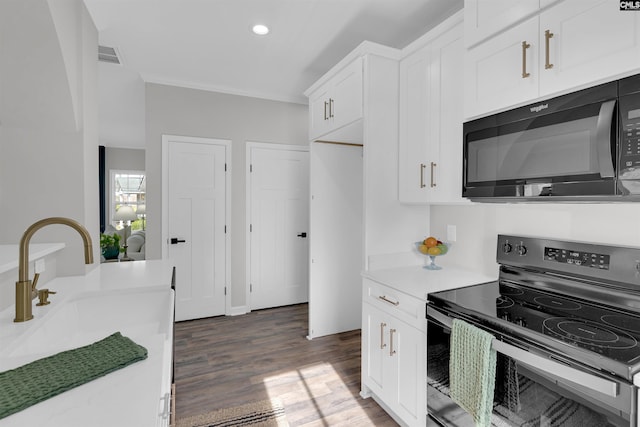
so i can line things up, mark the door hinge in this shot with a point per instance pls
(225, 229)
(250, 168)
(250, 228)
(225, 167)
(225, 290)
(250, 287)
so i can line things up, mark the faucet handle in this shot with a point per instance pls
(34, 282)
(43, 295)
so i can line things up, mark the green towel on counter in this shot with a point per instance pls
(472, 371)
(50, 376)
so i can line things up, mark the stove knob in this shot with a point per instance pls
(506, 316)
(506, 248)
(521, 322)
(521, 249)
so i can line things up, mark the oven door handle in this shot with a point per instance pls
(603, 139)
(567, 373)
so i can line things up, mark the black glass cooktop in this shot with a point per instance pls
(609, 332)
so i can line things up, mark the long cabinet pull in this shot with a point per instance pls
(422, 168)
(325, 110)
(387, 300)
(525, 46)
(391, 350)
(382, 344)
(547, 36)
(330, 108)
(433, 167)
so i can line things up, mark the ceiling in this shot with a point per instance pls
(208, 44)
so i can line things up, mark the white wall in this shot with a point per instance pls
(48, 123)
(479, 224)
(124, 159)
(190, 112)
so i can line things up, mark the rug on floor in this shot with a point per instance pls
(263, 413)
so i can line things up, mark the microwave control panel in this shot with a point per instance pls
(629, 165)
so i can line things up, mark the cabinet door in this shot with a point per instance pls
(591, 40)
(345, 103)
(415, 122)
(483, 18)
(502, 72)
(319, 123)
(407, 357)
(444, 166)
(375, 335)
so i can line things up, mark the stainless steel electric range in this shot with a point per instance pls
(566, 321)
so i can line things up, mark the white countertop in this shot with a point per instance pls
(419, 282)
(9, 253)
(127, 397)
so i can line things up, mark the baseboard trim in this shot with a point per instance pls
(238, 310)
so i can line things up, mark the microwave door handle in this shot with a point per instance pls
(568, 373)
(603, 139)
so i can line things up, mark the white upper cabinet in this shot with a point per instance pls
(586, 41)
(486, 18)
(566, 46)
(338, 102)
(502, 71)
(430, 133)
(415, 122)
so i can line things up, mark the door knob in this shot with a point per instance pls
(175, 241)
(303, 235)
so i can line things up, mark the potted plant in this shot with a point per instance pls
(110, 245)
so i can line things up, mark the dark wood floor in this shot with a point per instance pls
(228, 361)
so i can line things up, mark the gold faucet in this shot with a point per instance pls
(25, 290)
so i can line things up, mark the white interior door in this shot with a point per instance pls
(279, 225)
(196, 212)
(335, 298)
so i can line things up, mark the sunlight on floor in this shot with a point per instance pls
(321, 385)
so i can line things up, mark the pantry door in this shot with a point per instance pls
(278, 218)
(195, 200)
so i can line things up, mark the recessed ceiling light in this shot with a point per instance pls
(260, 29)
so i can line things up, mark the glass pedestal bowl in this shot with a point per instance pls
(431, 263)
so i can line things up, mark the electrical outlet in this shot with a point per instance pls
(39, 267)
(451, 233)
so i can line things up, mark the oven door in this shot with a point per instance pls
(563, 147)
(533, 386)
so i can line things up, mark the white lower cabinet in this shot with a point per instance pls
(394, 356)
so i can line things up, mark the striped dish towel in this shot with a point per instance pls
(472, 371)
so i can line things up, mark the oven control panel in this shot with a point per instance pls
(595, 261)
(578, 258)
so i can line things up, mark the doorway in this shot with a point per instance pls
(278, 224)
(195, 222)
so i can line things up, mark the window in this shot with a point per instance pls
(129, 188)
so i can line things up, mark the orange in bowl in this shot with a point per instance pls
(430, 242)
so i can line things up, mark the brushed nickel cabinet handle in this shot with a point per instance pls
(525, 46)
(391, 350)
(330, 108)
(382, 344)
(547, 36)
(387, 300)
(325, 110)
(422, 168)
(433, 181)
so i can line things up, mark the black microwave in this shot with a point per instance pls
(583, 145)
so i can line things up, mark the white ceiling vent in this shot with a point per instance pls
(108, 54)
